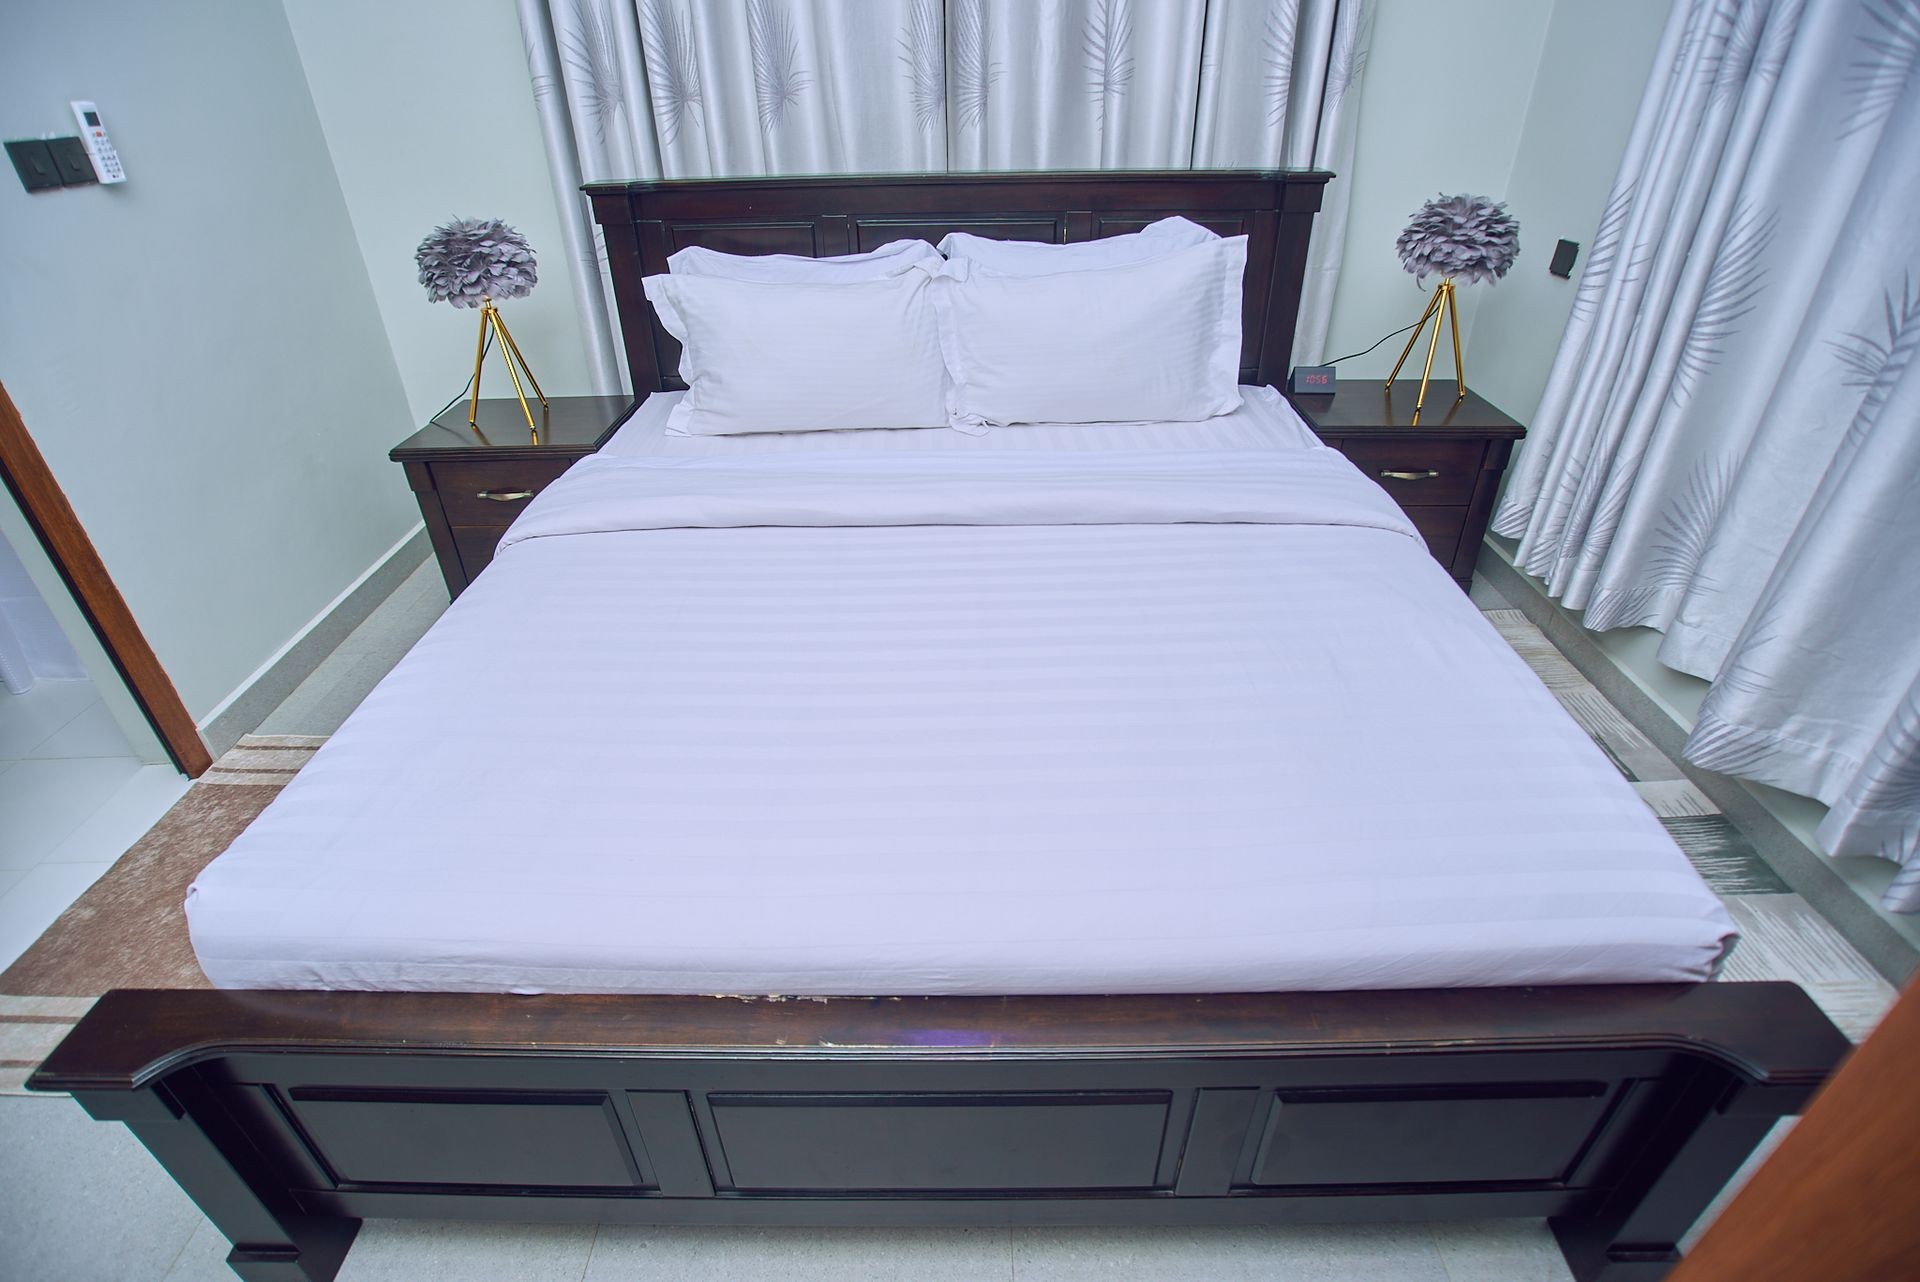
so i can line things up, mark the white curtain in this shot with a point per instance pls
(1729, 445)
(700, 88)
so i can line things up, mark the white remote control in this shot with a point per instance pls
(106, 161)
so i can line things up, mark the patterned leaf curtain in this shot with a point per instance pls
(702, 88)
(1729, 445)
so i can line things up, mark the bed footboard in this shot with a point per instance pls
(1616, 1112)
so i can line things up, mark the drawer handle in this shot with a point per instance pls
(1427, 475)
(504, 496)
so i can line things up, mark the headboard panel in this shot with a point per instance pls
(644, 222)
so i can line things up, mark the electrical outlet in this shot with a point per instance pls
(33, 161)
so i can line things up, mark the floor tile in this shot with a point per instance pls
(627, 1254)
(42, 802)
(1674, 798)
(123, 818)
(83, 1202)
(1554, 669)
(1619, 738)
(24, 1042)
(1782, 937)
(402, 618)
(447, 1251)
(1724, 857)
(41, 894)
(203, 1259)
(27, 719)
(1486, 596)
(1499, 1251)
(94, 733)
(1297, 1253)
(328, 697)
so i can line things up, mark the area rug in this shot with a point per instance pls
(128, 930)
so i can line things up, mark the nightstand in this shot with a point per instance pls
(472, 483)
(1443, 473)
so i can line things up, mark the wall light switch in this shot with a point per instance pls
(71, 158)
(33, 161)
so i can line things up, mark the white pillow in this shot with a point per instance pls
(762, 357)
(1154, 341)
(1032, 257)
(891, 259)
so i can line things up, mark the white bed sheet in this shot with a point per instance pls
(958, 759)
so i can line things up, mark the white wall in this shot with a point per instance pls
(1442, 110)
(1594, 65)
(429, 113)
(197, 352)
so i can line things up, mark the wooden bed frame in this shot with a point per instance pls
(1616, 1112)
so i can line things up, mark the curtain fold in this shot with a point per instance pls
(1726, 444)
(637, 89)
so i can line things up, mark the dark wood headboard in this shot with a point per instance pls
(644, 222)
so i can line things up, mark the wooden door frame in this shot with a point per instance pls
(26, 474)
(1839, 1200)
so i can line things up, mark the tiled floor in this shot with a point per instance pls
(321, 702)
(73, 797)
(57, 1168)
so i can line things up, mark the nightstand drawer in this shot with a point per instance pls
(490, 493)
(1420, 473)
(1441, 527)
(476, 546)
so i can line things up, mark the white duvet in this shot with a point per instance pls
(957, 721)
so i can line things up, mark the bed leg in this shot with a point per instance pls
(1634, 1236)
(227, 1177)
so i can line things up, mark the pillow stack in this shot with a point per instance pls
(1138, 327)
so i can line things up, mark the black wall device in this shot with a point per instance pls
(1563, 255)
(71, 159)
(47, 163)
(33, 161)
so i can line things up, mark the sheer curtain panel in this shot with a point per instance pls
(704, 88)
(1729, 440)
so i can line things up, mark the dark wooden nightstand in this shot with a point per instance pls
(1443, 473)
(471, 482)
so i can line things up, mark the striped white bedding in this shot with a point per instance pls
(1248, 736)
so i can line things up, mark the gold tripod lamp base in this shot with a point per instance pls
(1443, 304)
(490, 320)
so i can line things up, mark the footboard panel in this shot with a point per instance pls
(1616, 1112)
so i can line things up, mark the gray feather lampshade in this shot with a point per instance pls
(1457, 238)
(1468, 237)
(470, 262)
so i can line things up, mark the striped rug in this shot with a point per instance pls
(127, 930)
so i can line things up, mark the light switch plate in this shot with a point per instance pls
(71, 159)
(33, 161)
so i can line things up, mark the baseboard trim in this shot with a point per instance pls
(243, 710)
(1806, 870)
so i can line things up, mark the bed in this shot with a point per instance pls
(906, 744)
